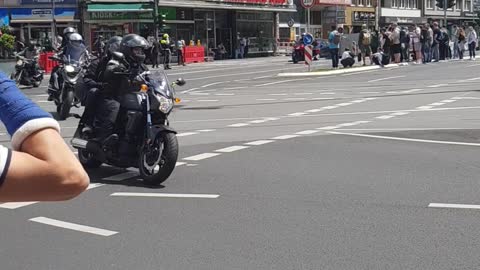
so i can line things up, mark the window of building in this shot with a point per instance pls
(430, 4)
(395, 3)
(468, 5)
(458, 5)
(412, 3)
(368, 3)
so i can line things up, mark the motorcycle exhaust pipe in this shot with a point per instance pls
(87, 145)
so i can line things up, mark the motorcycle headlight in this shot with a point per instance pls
(19, 62)
(166, 104)
(69, 69)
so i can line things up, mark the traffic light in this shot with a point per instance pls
(163, 21)
(439, 3)
(451, 3)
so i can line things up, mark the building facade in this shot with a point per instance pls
(461, 14)
(403, 12)
(359, 13)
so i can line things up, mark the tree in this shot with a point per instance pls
(7, 43)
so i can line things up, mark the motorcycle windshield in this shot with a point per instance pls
(159, 82)
(75, 54)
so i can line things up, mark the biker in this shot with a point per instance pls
(93, 81)
(30, 52)
(67, 32)
(132, 47)
(40, 166)
(74, 49)
(167, 52)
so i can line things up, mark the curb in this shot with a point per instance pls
(336, 72)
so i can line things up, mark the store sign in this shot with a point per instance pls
(361, 16)
(255, 2)
(334, 2)
(120, 16)
(4, 18)
(403, 20)
(29, 14)
(49, 2)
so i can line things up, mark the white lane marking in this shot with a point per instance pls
(180, 164)
(327, 93)
(344, 104)
(42, 95)
(238, 125)
(387, 78)
(424, 107)
(277, 82)
(369, 92)
(43, 101)
(383, 117)
(297, 114)
(322, 98)
(307, 132)
(186, 134)
(473, 79)
(199, 94)
(451, 205)
(259, 142)
(327, 128)
(404, 139)
(207, 100)
(352, 124)
(294, 99)
(234, 88)
(437, 85)
(279, 94)
(314, 110)
(212, 84)
(225, 94)
(232, 149)
(399, 113)
(370, 98)
(266, 99)
(302, 94)
(330, 107)
(258, 121)
(359, 101)
(261, 77)
(457, 98)
(271, 118)
(165, 195)
(92, 186)
(206, 130)
(285, 137)
(448, 100)
(15, 205)
(436, 104)
(412, 90)
(189, 90)
(201, 156)
(122, 176)
(73, 226)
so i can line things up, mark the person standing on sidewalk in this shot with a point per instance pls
(415, 40)
(364, 41)
(472, 42)
(436, 41)
(167, 52)
(396, 45)
(405, 45)
(454, 40)
(334, 39)
(154, 53)
(180, 46)
(462, 39)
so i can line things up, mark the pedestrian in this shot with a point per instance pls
(385, 41)
(375, 42)
(364, 42)
(154, 52)
(222, 51)
(405, 45)
(427, 40)
(436, 41)
(462, 41)
(180, 47)
(167, 52)
(454, 40)
(243, 43)
(334, 39)
(247, 47)
(347, 59)
(443, 41)
(380, 58)
(472, 42)
(415, 42)
(396, 45)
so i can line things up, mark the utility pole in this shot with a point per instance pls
(155, 18)
(445, 13)
(54, 26)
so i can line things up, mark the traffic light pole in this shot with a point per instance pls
(445, 13)
(155, 18)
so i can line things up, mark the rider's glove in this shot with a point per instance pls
(21, 116)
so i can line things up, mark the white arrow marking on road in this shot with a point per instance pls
(458, 206)
(165, 195)
(73, 226)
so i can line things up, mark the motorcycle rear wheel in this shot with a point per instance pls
(86, 158)
(156, 164)
(63, 109)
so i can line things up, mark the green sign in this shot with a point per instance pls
(170, 13)
(121, 16)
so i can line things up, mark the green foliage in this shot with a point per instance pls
(5, 29)
(7, 41)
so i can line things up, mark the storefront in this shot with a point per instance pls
(227, 22)
(4, 17)
(117, 19)
(358, 16)
(401, 16)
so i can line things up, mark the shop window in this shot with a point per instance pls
(468, 5)
(413, 4)
(395, 3)
(430, 4)
(316, 17)
(458, 5)
(369, 3)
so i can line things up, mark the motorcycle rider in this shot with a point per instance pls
(132, 46)
(93, 82)
(67, 32)
(30, 52)
(74, 49)
(167, 52)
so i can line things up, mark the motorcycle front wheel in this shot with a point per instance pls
(63, 109)
(157, 161)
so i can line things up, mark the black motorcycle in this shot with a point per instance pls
(142, 136)
(71, 71)
(27, 72)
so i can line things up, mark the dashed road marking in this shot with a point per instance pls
(344, 104)
(232, 149)
(186, 134)
(201, 156)
(330, 107)
(327, 128)
(207, 100)
(279, 94)
(238, 125)
(206, 130)
(73, 226)
(436, 104)
(383, 117)
(437, 85)
(292, 99)
(224, 94)
(297, 114)
(307, 132)
(258, 121)
(164, 195)
(277, 82)
(387, 78)
(424, 107)
(314, 110)
(456, 206)
(399, 113)
(259, 142)
(301, 94)
(266, 99)
(285, 137)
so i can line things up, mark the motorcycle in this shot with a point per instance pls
(298, 52)
(66, 79)
(27, 72)
(142, 137)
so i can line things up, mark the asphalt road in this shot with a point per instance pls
(368, 170)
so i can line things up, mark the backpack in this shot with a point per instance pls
(367, 38)
(461, 36)
(336, 38)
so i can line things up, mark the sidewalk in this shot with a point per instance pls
(338, 71)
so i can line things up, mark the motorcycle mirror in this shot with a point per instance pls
(118, 56)
(180, 82)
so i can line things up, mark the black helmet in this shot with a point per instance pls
(133, 46)
(113, 45)
(69, 30)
